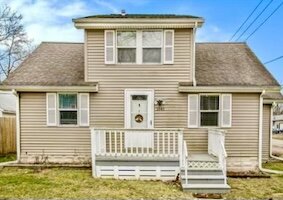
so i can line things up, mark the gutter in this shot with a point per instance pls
(260, 139)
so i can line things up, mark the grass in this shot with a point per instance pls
(7, 158)
(78, 183)
(257, 188)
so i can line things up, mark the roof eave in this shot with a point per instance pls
(28, 88)
(184, 88)
(104, 23)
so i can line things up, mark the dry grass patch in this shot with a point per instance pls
(78, 183)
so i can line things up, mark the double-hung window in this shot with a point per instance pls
(151, 46)
(126, 46)
(209, 110)
(139, 46)
(68, 109)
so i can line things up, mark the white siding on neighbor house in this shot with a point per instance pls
(266, 132)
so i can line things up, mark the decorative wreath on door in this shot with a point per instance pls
(138, 118)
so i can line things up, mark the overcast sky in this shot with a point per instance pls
(51, 20)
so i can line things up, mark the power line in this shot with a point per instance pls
(273, 60)
(246, 20)
(254, 20)
(264, 21)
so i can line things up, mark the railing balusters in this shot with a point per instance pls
(115, 142)
(174, 143)
(121, 143)
(163, 143)
(111, 142)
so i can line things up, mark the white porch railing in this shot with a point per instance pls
(216, 147)
(137, 142)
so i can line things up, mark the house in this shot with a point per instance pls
(141, 99)
(278, 123)
(7, 104)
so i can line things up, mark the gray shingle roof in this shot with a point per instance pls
(217, 64)
(230, 64)
(51, 64)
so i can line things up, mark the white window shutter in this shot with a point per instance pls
(193, 110)
(109, 44)
(168, 47)
(51, 109)
(226, 109)
(84, 109)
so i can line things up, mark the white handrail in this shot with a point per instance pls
(216, 147)
(137, 142)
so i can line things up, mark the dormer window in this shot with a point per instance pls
(139, 47)
(151, 46)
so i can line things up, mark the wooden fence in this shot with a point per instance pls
(7, 135)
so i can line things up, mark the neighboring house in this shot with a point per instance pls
(278, 123)
(7, 104)
(141, 99)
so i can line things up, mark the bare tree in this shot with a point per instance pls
(14, 43)
(278, 109)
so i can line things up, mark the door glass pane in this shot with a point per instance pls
(68, 101)
(126, 55)
(209, 118)
(151, 38)
(126, 39)
(151, 55)
(209, 103)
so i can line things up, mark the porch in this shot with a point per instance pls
(159, 154)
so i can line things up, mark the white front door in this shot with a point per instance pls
(139, 108)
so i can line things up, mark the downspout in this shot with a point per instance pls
(260, 138)
(194, 55)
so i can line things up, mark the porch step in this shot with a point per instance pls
(204, 171)
(206, 188)
(204, 179)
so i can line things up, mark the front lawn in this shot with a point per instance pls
(7, 158)
(78, 183)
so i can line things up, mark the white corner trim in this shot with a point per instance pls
(18, 134)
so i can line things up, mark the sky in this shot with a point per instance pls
(51, 20)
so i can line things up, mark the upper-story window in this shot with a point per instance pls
(139, 47)
(126, 46)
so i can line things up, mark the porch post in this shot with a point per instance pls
(93, 152)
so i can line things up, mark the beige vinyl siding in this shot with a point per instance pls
(148, 74)
(242, 137)
(266, 132)
(107, 110)
(38, 139)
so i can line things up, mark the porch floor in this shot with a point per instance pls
(201, 157)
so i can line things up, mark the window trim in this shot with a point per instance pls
(207, 111)
(68, 109)
(139, 47)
